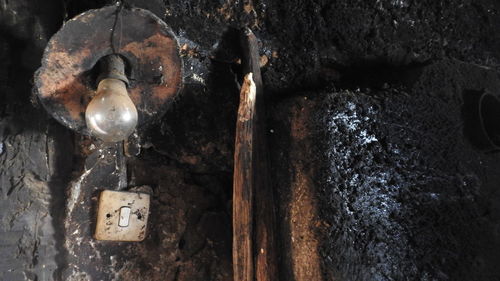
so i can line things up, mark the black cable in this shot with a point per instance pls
(118, 17)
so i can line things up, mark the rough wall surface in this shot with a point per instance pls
(406, 194)
(35, 151)
(402, 195)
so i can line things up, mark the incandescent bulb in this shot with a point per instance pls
(111, 115)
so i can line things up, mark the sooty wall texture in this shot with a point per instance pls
(373, 167)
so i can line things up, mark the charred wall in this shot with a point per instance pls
(375, 174)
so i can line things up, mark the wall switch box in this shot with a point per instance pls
(122, 216)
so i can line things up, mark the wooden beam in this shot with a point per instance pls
(265, 249)
(243, 184)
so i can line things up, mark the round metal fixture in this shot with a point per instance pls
(67, 80)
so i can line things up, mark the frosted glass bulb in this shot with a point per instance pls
(111, 115)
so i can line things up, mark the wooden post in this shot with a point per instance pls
(264, 241)
(243, 184)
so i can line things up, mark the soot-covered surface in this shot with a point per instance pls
(406, 195)
(403, 194)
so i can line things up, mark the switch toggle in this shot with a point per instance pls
(122, 216)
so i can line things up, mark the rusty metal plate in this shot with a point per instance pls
(122, 216)
(65, 83)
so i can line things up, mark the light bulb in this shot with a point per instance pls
(111, 115)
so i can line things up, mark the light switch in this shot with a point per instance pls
(122, 216)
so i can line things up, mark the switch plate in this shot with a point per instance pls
(122, 216)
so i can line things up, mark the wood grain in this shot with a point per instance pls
(265, 249)
(243, 182)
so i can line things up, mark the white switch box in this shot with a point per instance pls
(122, 216)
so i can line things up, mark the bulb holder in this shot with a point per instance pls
(112, 66)
(144, 54)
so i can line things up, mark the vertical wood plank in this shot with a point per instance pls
(243, 182)
(265, 249)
